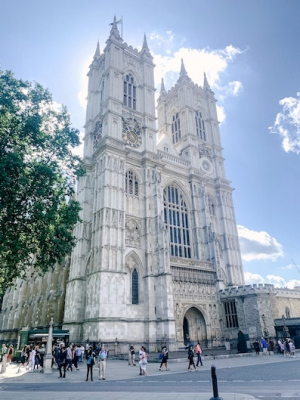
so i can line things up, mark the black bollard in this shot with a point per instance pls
(214, 384)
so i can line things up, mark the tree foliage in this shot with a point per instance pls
(37, 174)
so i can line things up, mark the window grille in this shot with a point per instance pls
(231, 315)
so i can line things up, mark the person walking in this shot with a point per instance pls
(191, 358)
(143, 361)
(264, 346)
(102, 362)
(90, 361)
(62, 360)
(132, 355)
(70, 357)
(3, 358)
(165, 356)
(10, 354)
(198, 353)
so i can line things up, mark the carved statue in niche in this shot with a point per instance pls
(132, 234)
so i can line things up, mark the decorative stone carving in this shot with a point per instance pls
(133, 234)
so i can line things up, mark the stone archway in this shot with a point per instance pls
(194, 327)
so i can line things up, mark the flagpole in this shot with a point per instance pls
(122, 26)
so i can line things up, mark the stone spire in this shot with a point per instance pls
(183, 74)
(162, 88)
(97, 52)
(206, 85)
(114, 32)
(145, 49)
(182, 70)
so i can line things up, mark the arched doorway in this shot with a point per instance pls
(194, 327)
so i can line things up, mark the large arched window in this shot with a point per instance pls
(176, 129)
(176, 219)
(129, 99)
(135, 287)
(131, 184)
(200, 126)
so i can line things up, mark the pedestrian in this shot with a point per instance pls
(32, 358)
(82, 352)
(191, 358)
(198, 353)
(102, 362)
(10, 354)
(90, 361)
(292, 348)
(256, 347)
(70, 357)
(143, 361)
(77, 356)
(287, 347)
(264, 346)
(132, 355)
(23, 359)
(62, 360)
(140, 357)
(3, 358)
(165, 356)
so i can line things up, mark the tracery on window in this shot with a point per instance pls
(176, 129)
(131, 184)
(177, 222)
(129, 99)
(200, 125)
(135, 287)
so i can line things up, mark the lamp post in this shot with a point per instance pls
(48, 355)
(266, 332)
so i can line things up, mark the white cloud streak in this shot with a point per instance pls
(258, 245)
(287, 124)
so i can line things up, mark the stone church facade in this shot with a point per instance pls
(157, 255)
(158, 236)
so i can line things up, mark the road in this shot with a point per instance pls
(269, 378)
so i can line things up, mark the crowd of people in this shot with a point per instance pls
(67, 358)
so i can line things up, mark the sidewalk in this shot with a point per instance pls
(118, 370)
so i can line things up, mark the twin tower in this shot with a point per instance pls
(158, 237)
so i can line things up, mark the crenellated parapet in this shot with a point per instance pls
(258, 289)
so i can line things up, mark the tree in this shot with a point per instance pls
(37, 174)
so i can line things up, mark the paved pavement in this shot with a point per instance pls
(117, 370)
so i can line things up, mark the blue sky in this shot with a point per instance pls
(250, 52)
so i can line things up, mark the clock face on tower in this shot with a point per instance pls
(132, 136)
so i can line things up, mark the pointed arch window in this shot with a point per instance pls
(200, 126)
(129, 99)
(177, 221)
(135, 287)
(131, 184)
(176, 129)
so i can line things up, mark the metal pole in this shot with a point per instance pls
(214, 384)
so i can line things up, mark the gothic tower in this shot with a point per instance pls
(158, 236)
(119, 272)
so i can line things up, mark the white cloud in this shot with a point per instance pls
(275, 280)
(258, 245)
(287, 124)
